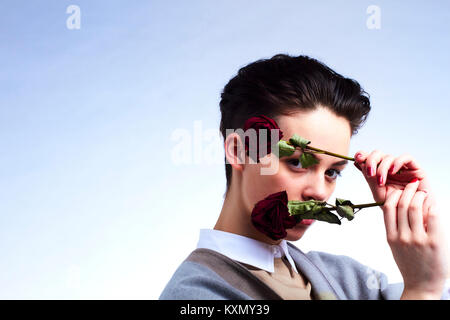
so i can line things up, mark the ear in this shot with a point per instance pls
(235, 151)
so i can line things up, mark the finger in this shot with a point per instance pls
(383, 167)
(390, 212)
(372, 162)
(433, 223)
(403, 207)
(415, 213)
(404, 160)
(379, 193)
(360, 156)
(357, 165)
(430, 201)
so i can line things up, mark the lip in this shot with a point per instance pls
(306, 222)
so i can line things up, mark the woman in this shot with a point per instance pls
(235, 260)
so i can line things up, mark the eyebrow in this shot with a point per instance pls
(338, 163)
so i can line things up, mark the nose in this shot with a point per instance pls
(315, 188)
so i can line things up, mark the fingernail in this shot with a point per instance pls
(391, 170)
(414, 180)
(380, 180)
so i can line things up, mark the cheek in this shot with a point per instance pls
(256, 186)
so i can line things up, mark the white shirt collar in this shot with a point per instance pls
(243, 249)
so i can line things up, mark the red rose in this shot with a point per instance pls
(260, 122)
(271, 216)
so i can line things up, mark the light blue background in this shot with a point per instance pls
(92, 204)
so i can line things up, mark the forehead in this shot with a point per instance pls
(322, 127)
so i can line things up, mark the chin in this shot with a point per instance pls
(295, 233)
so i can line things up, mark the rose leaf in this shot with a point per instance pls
(298, 141)
(345, 212)
(284, 149)
(307, 160)
(343, 202)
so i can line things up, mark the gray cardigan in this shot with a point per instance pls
(209, 275)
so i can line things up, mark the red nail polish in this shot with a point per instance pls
(380, 180)
(413, 180)
(391, 170)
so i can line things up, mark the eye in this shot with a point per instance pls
(295, 163)
(336, 174)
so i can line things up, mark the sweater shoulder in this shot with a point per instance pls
(193, 281)
(335, 261)
(354, 279)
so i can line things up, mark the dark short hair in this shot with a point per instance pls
(283, 85)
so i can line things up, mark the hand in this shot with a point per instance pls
(418, 245)
(384, 173)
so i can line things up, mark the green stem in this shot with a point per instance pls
(363, 205)
(317, 150)
(337, 155)
(368, 205)
(330, 153)
(326, 152)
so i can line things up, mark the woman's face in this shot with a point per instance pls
(326, 131)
